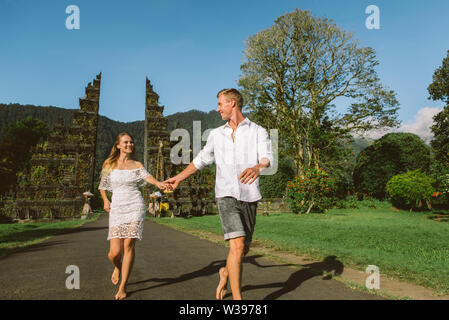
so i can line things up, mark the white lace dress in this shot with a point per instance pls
(127, 213)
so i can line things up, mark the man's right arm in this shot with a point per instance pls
(204, 158)
(184, 174)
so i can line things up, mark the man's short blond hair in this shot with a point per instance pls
(233, 94)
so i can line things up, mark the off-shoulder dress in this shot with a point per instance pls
(127, 212)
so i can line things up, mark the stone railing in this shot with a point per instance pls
(272, 205)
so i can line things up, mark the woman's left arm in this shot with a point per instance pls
(145, 175)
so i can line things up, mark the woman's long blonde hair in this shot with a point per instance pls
(111, 162)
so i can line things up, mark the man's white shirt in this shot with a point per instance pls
(250, 145)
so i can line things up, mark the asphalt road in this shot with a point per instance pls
(169, 265)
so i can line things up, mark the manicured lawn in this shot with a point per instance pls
(19, 235)
(407, 246)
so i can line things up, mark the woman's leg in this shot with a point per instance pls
(127, 265)
(115, 256)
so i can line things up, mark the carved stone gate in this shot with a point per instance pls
(62, 167)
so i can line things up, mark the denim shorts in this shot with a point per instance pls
(238, 218)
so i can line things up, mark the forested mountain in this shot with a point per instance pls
(109, 129)
(10, 113)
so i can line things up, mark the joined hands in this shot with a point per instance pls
(171, 183)
(164, 186)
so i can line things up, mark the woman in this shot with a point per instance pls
(123, 176)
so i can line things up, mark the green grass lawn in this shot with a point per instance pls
(405, 245)
(19, 235)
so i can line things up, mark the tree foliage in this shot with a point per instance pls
(440, 141)
(15, 148)
(393, 154)
(439, 90)
(292, 76)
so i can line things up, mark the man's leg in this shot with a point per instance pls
(234, 266)
(229, 211)
(222, 287)
(223, 273)
(241, 245)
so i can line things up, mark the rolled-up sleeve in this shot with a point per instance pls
(264, 146)
(206, 155)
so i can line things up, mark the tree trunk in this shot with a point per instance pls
(310, 207)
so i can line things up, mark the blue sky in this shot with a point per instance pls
(191, 49)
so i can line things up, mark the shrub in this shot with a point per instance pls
(350, 202)
(311, 191)
(410, 190)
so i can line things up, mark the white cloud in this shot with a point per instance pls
(422, 124)
(423, 120)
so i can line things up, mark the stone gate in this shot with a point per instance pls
(192, 197)
(62, 167)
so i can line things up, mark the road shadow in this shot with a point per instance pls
(32, 233)
(327, 268)
(210, 269)
(8, 252)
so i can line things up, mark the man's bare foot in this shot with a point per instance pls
(223, 284)
(115, 276)
(121, 294)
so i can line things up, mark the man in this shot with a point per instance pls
(240, 149)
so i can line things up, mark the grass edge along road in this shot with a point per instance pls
(406, 246)
(16, 236)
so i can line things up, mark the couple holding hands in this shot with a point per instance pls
(240, 148)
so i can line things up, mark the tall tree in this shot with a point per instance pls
(439, 90)
(294, 73)
(394, 153)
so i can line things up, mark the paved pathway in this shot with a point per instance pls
(169, 265)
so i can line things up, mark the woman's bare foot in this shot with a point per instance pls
(115, 276)
(223, 284)
(121, 294)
